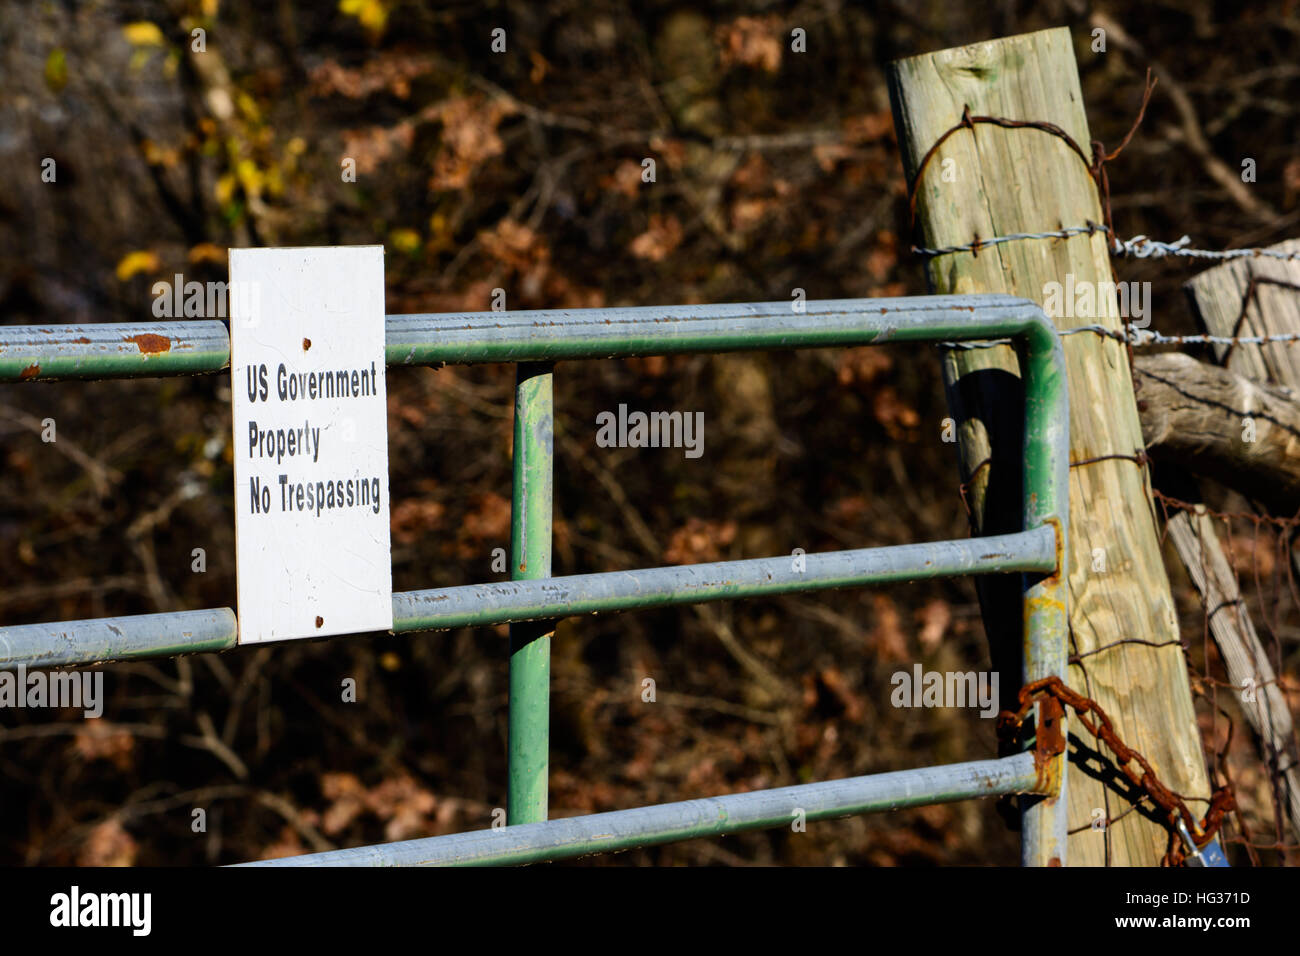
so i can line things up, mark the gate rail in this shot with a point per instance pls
(532, 602)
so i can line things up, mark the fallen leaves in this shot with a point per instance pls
(101, 740)
(407, 809)
(658, 241)
(374, 145)
(935, 618)
(469, 137)
(486, 525)
(413, 518)
(108, 845)
(625, 179)
(861, 366)
(700, 541)
(387, 72)
(899, 419)
(751, 41)
(886, 640)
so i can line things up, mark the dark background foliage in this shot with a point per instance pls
(775, 170)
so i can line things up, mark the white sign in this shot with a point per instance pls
(313, 554)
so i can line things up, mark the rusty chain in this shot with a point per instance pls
(1054, 694)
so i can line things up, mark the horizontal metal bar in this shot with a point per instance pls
(48, 353)
(514, 601)
(554, 334)
(714, 816)
(116, 638)
(186, 632)
(117, 350)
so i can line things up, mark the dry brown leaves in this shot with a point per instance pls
(751, 41)
(830, 684)
(658, 241)
(625, 179)
(899, 419)
(469, 137)
(392, 72)
(406, 809)
(861, 366)
(485, 526)
(934, 619)
(886, 640)
(108, 845)
(413, 518)
(524, 253)
(102, 741)
(375, 145)
(699, 541)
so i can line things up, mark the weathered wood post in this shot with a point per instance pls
(990, 180)
(1253, 296)
(1249, 297)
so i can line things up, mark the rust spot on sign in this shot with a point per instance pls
(81, 341)
(151, 344)
(319, 620)
(306, 344)
(30, 371)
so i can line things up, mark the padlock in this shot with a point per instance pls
(1209, 855)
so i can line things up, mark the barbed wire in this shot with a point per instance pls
(1139, 247)
(978, 244)
(1144, 337)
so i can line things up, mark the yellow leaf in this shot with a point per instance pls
(142, 33)
(225, 188)
(250, 177)
(207, 252)
(133, 263)
(405, 240)
(371, 14)
(247, 107)
(272, 180)
(56, 70)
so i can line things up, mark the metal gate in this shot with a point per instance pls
(534, 600)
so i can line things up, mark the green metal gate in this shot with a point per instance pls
(534, 600)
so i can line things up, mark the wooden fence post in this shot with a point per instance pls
(1249, 669)
(988, 181)
(1248, 297)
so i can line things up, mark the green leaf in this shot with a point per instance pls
(56, 70)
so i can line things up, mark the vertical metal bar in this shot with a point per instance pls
(530, 557)
(1046, 493)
